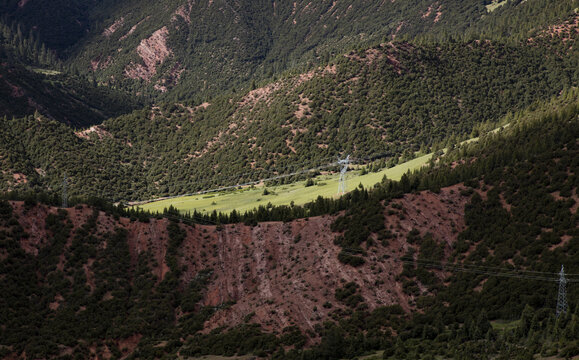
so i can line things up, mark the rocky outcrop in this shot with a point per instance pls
(153, 52)
(114, 27)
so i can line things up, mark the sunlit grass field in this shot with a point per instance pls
(250, 198)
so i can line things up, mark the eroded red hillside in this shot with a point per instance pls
(275, 274)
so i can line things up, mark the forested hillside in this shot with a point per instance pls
(192, 49)
(131, 100)
(389, 100)
(32, 79)
(487, 288)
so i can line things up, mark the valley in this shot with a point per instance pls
(297, 192)
(169, 179)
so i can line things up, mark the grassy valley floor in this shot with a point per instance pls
(250, 198)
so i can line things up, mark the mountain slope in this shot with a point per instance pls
(33, 80)
(194, 48)
(72, 100)
(390, 100)
(174, 280)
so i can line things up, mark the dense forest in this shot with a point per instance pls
(390, 100)
(521, 222)
(264, 39)
(140, 99)
(33, 79)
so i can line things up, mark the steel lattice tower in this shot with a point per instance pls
(64, 192)
(562, 299)
(342, 184)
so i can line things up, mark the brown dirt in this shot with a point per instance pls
(567, 30)
(304, 109)
(98, 130)
(184, 11)
(153, 51)
(438, 14)
(19, 178)
(265, 93)
(114, 27)
(429, 11)
(267, 270)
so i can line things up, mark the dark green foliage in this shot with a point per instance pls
(176, 149)
(72, 100)
(349, 295)
(244, 339)
(268, 38)
(364, 218)
(348, 259)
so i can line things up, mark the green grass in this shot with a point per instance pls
(502, 325)
(250, 198)
(45, 71)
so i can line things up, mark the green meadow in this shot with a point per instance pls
(251, 197)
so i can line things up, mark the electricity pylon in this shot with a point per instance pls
(342, 184)
(562, 299)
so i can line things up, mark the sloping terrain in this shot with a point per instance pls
(400, 267)
(209, 46)
(276, 275)
(390, 100)
(71, 100)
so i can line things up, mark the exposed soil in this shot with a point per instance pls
(184, 11)
(275, 274)
(98, 130)
(265, 93)
(114, 27)
(153, 51)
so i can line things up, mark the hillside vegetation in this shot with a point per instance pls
(33, 80)
(520, 190)
(191, 49)
(391, 100)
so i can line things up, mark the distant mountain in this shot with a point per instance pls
(182, 49)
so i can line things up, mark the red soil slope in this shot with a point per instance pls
(277, 274)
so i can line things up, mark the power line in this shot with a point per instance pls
(486, 267)
(490, 271)
(344, 168)
(477, 269)
(249, 183)
(351, 160)
(562, 296)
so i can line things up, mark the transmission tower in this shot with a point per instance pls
(562, 299)
(342, 184)
(64, 192)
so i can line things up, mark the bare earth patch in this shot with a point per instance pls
(276, 274)
(99, 131)
(153, 51)
(114, 27)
